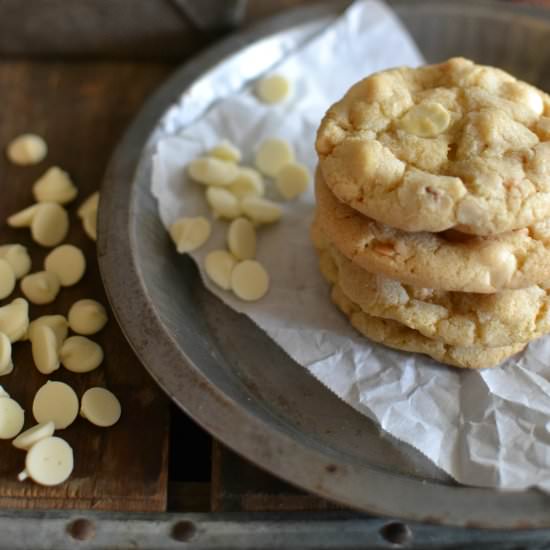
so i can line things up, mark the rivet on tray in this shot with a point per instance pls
(81, 529)
(183, 531)
(396, 533)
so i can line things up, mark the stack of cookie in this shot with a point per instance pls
(433, 211)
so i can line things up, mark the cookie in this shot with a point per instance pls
(455, 145)
(446, 261)
(398, 336)
(454, 318)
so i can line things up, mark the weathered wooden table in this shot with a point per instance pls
(76, 73)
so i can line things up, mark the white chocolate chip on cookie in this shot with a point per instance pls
(218, 265)
(273, 89)
(189, 234)
(7, 279)
(248, 182)
(27, 149)
(426, 120)
(249, 280)
(54, 186)
(80, 354)
(223, 203)
(225, 150)
(241, 239)
(273, 154)
(212, 171)
(41, 287)
(292, 180)
(101, 407)
(261, 210)
(18, 257)
(87, 317)
(67, 262)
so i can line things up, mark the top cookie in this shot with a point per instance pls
(455, 145)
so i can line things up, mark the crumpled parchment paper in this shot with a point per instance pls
(487, 428)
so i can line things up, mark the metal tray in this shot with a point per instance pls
(226, 373)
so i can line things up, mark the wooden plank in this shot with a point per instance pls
(81, 110)
(239, 486)
(145, 29)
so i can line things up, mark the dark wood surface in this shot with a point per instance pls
(81, 109)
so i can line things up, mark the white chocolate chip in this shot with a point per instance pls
(218, 265)
(56, 402)
(14, 319)
(89, 223)
(212, 171)
(3, 393)
(272, 155)
(33, 435)
(12, 418)
(50, 224)
(89, 205)
(525, 94)
(426, 120)
(501, 262)
(45, 349)
(7, 279)
(225, 150)
(57, 323)
(80, 354)
(18, 257)
(241, 239)
(223, 203)
(67, 262)
(292, 180)
(189, 234)
(100, 407)
(54, 186)
(248, 182)
(249, 280)
(27, 149)
(87, 317)
(273, 89)
(49, 462)
(87, 212)
(41, 287)
(24, 217)
(261, 210)
(6, 364)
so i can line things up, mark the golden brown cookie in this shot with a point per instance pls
(446, 261)
(398, 336)
(455, 145)
(454, 318)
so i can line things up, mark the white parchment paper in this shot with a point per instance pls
(488, 428)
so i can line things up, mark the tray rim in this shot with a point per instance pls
(442, 504)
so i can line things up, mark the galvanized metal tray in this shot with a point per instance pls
(225, 372)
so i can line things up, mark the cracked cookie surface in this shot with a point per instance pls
(454, 318)
(445, 261)
(455, 145)
(398, 336)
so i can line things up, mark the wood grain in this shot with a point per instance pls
(81, 110)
